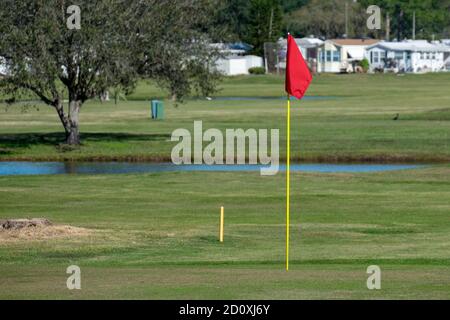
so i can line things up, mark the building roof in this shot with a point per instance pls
(240, 46)
(232, 48)
(303, 42)
(237, 57)
(309, 42)
(411, 45)
(355, 42)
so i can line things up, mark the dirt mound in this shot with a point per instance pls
(17, 224)
(37, 229)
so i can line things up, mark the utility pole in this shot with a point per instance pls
(271, 24)
(414, 25)
(388, 27)
(346, 19)
(400, 24)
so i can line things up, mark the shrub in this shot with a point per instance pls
(257, 70)
(365, 65)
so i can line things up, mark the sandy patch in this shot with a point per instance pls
(40, 233)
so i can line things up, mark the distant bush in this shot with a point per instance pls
(378, 70)
(257, 70)
(365, 65)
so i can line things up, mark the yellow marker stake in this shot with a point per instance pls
(221, 224)
(288, 180)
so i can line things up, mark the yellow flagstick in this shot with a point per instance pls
(221, 229)
(288, 181)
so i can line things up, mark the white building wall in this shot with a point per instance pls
(433, 62)
(254, 62)
(3, 69)
(375, 57)
(238, 67)
(223, 66)
(348, 55)
(234, 66)
(409, 61)
(356, 52)
(447, 62)
(328, 66)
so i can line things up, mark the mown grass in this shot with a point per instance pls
(353, 124)
(156, 235)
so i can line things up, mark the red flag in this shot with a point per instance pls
(298, 76)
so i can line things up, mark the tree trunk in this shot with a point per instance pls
(62, 116)
(73, 134)
(70, 121)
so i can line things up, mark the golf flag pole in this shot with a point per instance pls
(298, 79)
(221, 228)
(288, 181)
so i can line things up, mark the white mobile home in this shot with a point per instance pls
(235, 60)
(342, 55)
(308, 47)
(3, 69)
(416, 56)
(446, 44)
(238, 65)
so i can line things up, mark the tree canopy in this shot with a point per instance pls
(326, 18)
(265, 24)
(118, 41)
(432, 17)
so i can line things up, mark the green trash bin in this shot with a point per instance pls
(157, 109)
(160, 110)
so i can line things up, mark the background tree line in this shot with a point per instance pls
(121, 41)
(259, 21)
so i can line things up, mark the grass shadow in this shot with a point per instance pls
(8, 142)
(5, 152)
